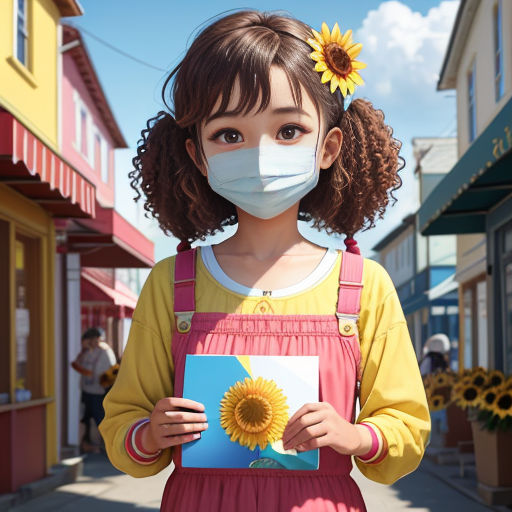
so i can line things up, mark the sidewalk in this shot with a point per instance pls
(104, 489)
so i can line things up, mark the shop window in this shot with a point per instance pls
(498, 52)
(468, 328)
(21, 32)
(28, 376)
(5, 371)
(472, 102)
(481, 314)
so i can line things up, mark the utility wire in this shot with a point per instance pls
(117, 50)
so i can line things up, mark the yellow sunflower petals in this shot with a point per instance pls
(315, 44)
(326, 33)
(356, 78)
(327, 75)
(350, 86)
(343, 87)
(335, 34)
(318, 56)
(358, 65)
(346, 38)
(318, 36)
(320, 66)
(354, 50)
(334, 83)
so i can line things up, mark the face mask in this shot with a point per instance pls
(266, 180)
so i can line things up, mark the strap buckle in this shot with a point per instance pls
(347, 325)
(184, 321)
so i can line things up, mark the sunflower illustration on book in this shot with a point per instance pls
(254, 412)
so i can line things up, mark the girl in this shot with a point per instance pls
(260, 137)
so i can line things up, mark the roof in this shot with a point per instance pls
(69, 7)
(434, 155)
(458, 38)
(406, 222)
(86, 69)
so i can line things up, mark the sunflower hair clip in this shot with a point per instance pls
(335, 55)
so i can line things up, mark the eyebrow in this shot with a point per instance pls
(281, 110)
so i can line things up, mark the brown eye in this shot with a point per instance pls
(288, 132)
(232, 137)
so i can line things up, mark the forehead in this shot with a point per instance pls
(281, 95)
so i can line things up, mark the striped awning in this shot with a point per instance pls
(36, 171)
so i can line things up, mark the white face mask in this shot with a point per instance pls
(264, 181)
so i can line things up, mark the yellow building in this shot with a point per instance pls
(36, 185)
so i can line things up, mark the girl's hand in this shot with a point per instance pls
(318, 424)
(173, 421)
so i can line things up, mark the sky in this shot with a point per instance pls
(403, 44)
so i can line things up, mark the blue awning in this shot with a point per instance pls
(478, 181)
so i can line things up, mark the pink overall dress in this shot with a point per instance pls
(333, 338)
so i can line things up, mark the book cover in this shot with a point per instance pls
(248, 401)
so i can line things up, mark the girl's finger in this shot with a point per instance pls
(306, 435)
(173, 402)
(303, 410)
(176, 429)
(167, 442)
(313, 444)
(310, 418)
(182, 417)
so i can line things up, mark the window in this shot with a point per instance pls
(498, 52)
(83, 131)
(97, 153)
(104, 161)
(472, 103)
(21, 33)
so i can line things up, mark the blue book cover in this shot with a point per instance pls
(248, 401)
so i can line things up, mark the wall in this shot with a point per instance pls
(480, 45)
(72, 83)
(31, 94)
(398, 257)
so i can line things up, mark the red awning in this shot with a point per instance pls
(36, 171)
(93, 290)
(110, 241)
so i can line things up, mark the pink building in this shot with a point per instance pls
(90, 250)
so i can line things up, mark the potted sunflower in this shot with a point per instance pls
(487, 397)
(440, 396)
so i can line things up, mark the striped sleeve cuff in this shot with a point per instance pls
(375, 456)
(133, 445)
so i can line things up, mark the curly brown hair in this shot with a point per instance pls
(242, 47)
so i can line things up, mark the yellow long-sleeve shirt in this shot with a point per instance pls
(392, 396)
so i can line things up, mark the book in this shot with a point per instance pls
(248, 401)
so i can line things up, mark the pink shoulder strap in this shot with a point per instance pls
(349, 294)
(184, 288)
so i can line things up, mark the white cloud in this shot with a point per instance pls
(403, 48)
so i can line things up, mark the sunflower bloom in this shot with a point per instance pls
(469, 396)
(503, 404)
(335, 54)
(495, 378)
(437, 402)
(254, 412)
(488, 398)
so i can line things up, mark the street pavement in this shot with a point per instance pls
(104, 489)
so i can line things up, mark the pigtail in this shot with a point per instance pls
(176, 194)
(355, 191)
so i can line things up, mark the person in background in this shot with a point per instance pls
(435, 354)
(95, 358)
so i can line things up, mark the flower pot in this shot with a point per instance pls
(493, 456)
(459, 428)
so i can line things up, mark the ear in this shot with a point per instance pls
(331, 148)
(192, 153)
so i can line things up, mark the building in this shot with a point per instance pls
(422, 268)
(474, 200)
(56, 218)
(36, 185)
(90, 250)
